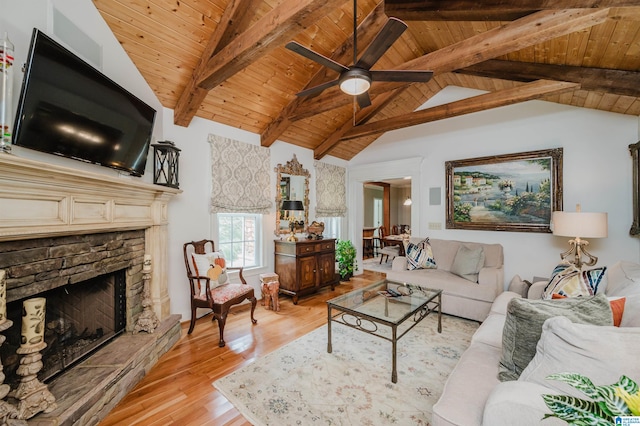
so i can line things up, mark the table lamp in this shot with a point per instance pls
(579, 225)
(291, 206)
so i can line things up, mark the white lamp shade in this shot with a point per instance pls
(579, 224)
(355, 85)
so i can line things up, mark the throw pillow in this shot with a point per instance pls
(523, 326)
(601, 353)
(212, 265)
(568, 280)
(624, 279)
(468, 262)
(616, 303)
(420, 256)
(617, 309)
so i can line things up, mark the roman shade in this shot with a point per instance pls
(240, 181)
(331, 198)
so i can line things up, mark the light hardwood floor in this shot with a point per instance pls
(178, 390)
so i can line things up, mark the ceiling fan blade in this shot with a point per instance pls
(316, 57)
(317, 89)
(363, 100)
(391, 31)
(404, 76)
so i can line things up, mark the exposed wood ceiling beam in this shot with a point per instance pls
(367, 30)
(619, 82)
(271, 32)
(230, 24)
(486, 10)
(513, 36)
(528, 91)
(361, 117)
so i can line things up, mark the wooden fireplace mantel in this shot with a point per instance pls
(44, 200)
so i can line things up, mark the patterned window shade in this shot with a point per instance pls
(331, 200)
(240, 181)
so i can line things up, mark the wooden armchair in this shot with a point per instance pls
(210, 288)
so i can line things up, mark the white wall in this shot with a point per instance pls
(18, 18)
(596, 173)
(189, 212)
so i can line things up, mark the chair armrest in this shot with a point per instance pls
(239, 269)
(399, 263)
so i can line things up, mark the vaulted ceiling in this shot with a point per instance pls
(225, 60)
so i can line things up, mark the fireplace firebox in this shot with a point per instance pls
(80, 318)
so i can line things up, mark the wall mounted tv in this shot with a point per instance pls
(69, 108)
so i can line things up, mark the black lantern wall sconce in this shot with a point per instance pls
(165, 164)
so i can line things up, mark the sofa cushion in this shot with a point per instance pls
(468, 262)
(420, 255)
(568, 280)
(523, 326)
(518, 403)
(447, 282)
(601, 353)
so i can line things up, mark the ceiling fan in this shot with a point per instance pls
(356, 79)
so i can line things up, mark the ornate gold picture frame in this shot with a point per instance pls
(512, 192)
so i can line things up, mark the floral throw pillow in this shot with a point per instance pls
(420, 256)
(212, 265)
(570, 281)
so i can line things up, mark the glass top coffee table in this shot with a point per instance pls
(372, 309)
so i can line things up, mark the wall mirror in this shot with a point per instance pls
(292, 184)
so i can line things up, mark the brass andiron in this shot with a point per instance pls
(147, 321)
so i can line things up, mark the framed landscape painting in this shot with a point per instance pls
(512, 192)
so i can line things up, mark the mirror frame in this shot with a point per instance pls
(293, 168)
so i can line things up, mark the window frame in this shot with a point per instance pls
(258, 240)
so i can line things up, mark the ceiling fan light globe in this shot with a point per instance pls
(354, 85)
(355, 82)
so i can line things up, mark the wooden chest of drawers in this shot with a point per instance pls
(305, 266)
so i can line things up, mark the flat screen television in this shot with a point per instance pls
(68, 108)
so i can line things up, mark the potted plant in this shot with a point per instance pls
(346, 258)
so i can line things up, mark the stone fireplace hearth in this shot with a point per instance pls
(60, 227)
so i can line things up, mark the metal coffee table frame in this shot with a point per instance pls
(365, 310)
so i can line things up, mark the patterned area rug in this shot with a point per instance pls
(302, 384)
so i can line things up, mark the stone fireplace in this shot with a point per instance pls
(79, 239)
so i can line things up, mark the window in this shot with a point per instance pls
(239, 238)
(332, 226)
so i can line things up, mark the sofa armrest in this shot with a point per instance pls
(492, 277)
(399, 263)
(536, 289)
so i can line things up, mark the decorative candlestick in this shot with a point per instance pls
(8, 412)
(3, 298)
(32, 395)
(147, 321)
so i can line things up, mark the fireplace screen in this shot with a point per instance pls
(79, 319)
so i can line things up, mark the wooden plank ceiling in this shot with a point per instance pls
(225, 60)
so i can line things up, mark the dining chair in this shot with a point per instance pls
(387, 249)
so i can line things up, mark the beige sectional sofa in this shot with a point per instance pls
(473, 395)
(460, 297)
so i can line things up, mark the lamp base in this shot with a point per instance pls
(577, 249)
(292, 238)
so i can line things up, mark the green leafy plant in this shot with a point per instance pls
(607, 402)
(346, 258)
